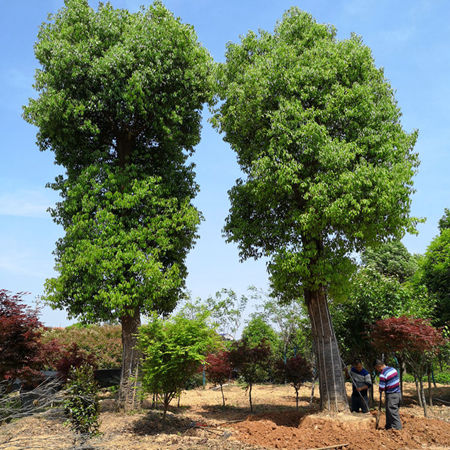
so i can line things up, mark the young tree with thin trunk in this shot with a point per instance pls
(251, 363)
(218, 369)
(327, 165)
(173, 351)
(296, 371)
(120, 100)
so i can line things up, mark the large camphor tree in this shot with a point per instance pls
(327, 165)
(119, 103)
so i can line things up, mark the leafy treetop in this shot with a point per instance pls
(328, 167)
(391, 259)
(110, 74)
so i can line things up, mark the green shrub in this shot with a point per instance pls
(82, 405)
(172, 352)
(439, 377)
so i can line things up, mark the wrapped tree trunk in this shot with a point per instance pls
(128, 398)
(333, 396)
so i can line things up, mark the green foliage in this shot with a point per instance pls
(387, 285)
(436, 270)
(444, 221)
(104, 342)
(439, 377)
(82, 405)
(258, 332)
(291, 324)
(328, 167)
(109, 73)
(391, 259)
(227, 308)
(173, 351)
(119, 103)
(125, 248)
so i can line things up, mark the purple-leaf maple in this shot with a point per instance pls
(296, 371)
(251, 362)
(218, 369)
(20, 330)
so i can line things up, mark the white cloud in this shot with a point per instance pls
(26, 203)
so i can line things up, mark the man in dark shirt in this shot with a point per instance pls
(390, 384)
(361, 382)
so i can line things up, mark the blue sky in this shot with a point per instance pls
(410, 39)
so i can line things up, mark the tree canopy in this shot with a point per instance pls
(391, 259)
(318, 136)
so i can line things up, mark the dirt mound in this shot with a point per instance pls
(295, 431)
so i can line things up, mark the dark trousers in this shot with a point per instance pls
(392, 414)
(360, 402)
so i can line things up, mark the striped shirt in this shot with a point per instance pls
(389, 380)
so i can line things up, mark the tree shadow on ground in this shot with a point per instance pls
(152, 424)
(441, 392)
(281, 415)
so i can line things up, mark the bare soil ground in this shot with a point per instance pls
(201, 423)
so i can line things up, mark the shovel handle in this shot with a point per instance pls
(379, 411)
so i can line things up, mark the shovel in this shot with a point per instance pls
(379, 411)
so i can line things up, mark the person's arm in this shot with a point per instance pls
(382, 383)
(368, 381)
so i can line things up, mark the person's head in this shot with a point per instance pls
(379, 365)
(357, 364)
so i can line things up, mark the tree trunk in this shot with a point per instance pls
(296, 399)
(333, 396)
(422, 394)
(166, 406)
(250, 396)
(128, 400)
(430, 394)
(418, 390)
(223, 396)
(313, 387)
(401, 371)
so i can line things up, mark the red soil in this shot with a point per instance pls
(291, 430)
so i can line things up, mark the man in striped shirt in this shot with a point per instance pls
(390, 384)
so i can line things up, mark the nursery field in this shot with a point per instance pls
(201, 423)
